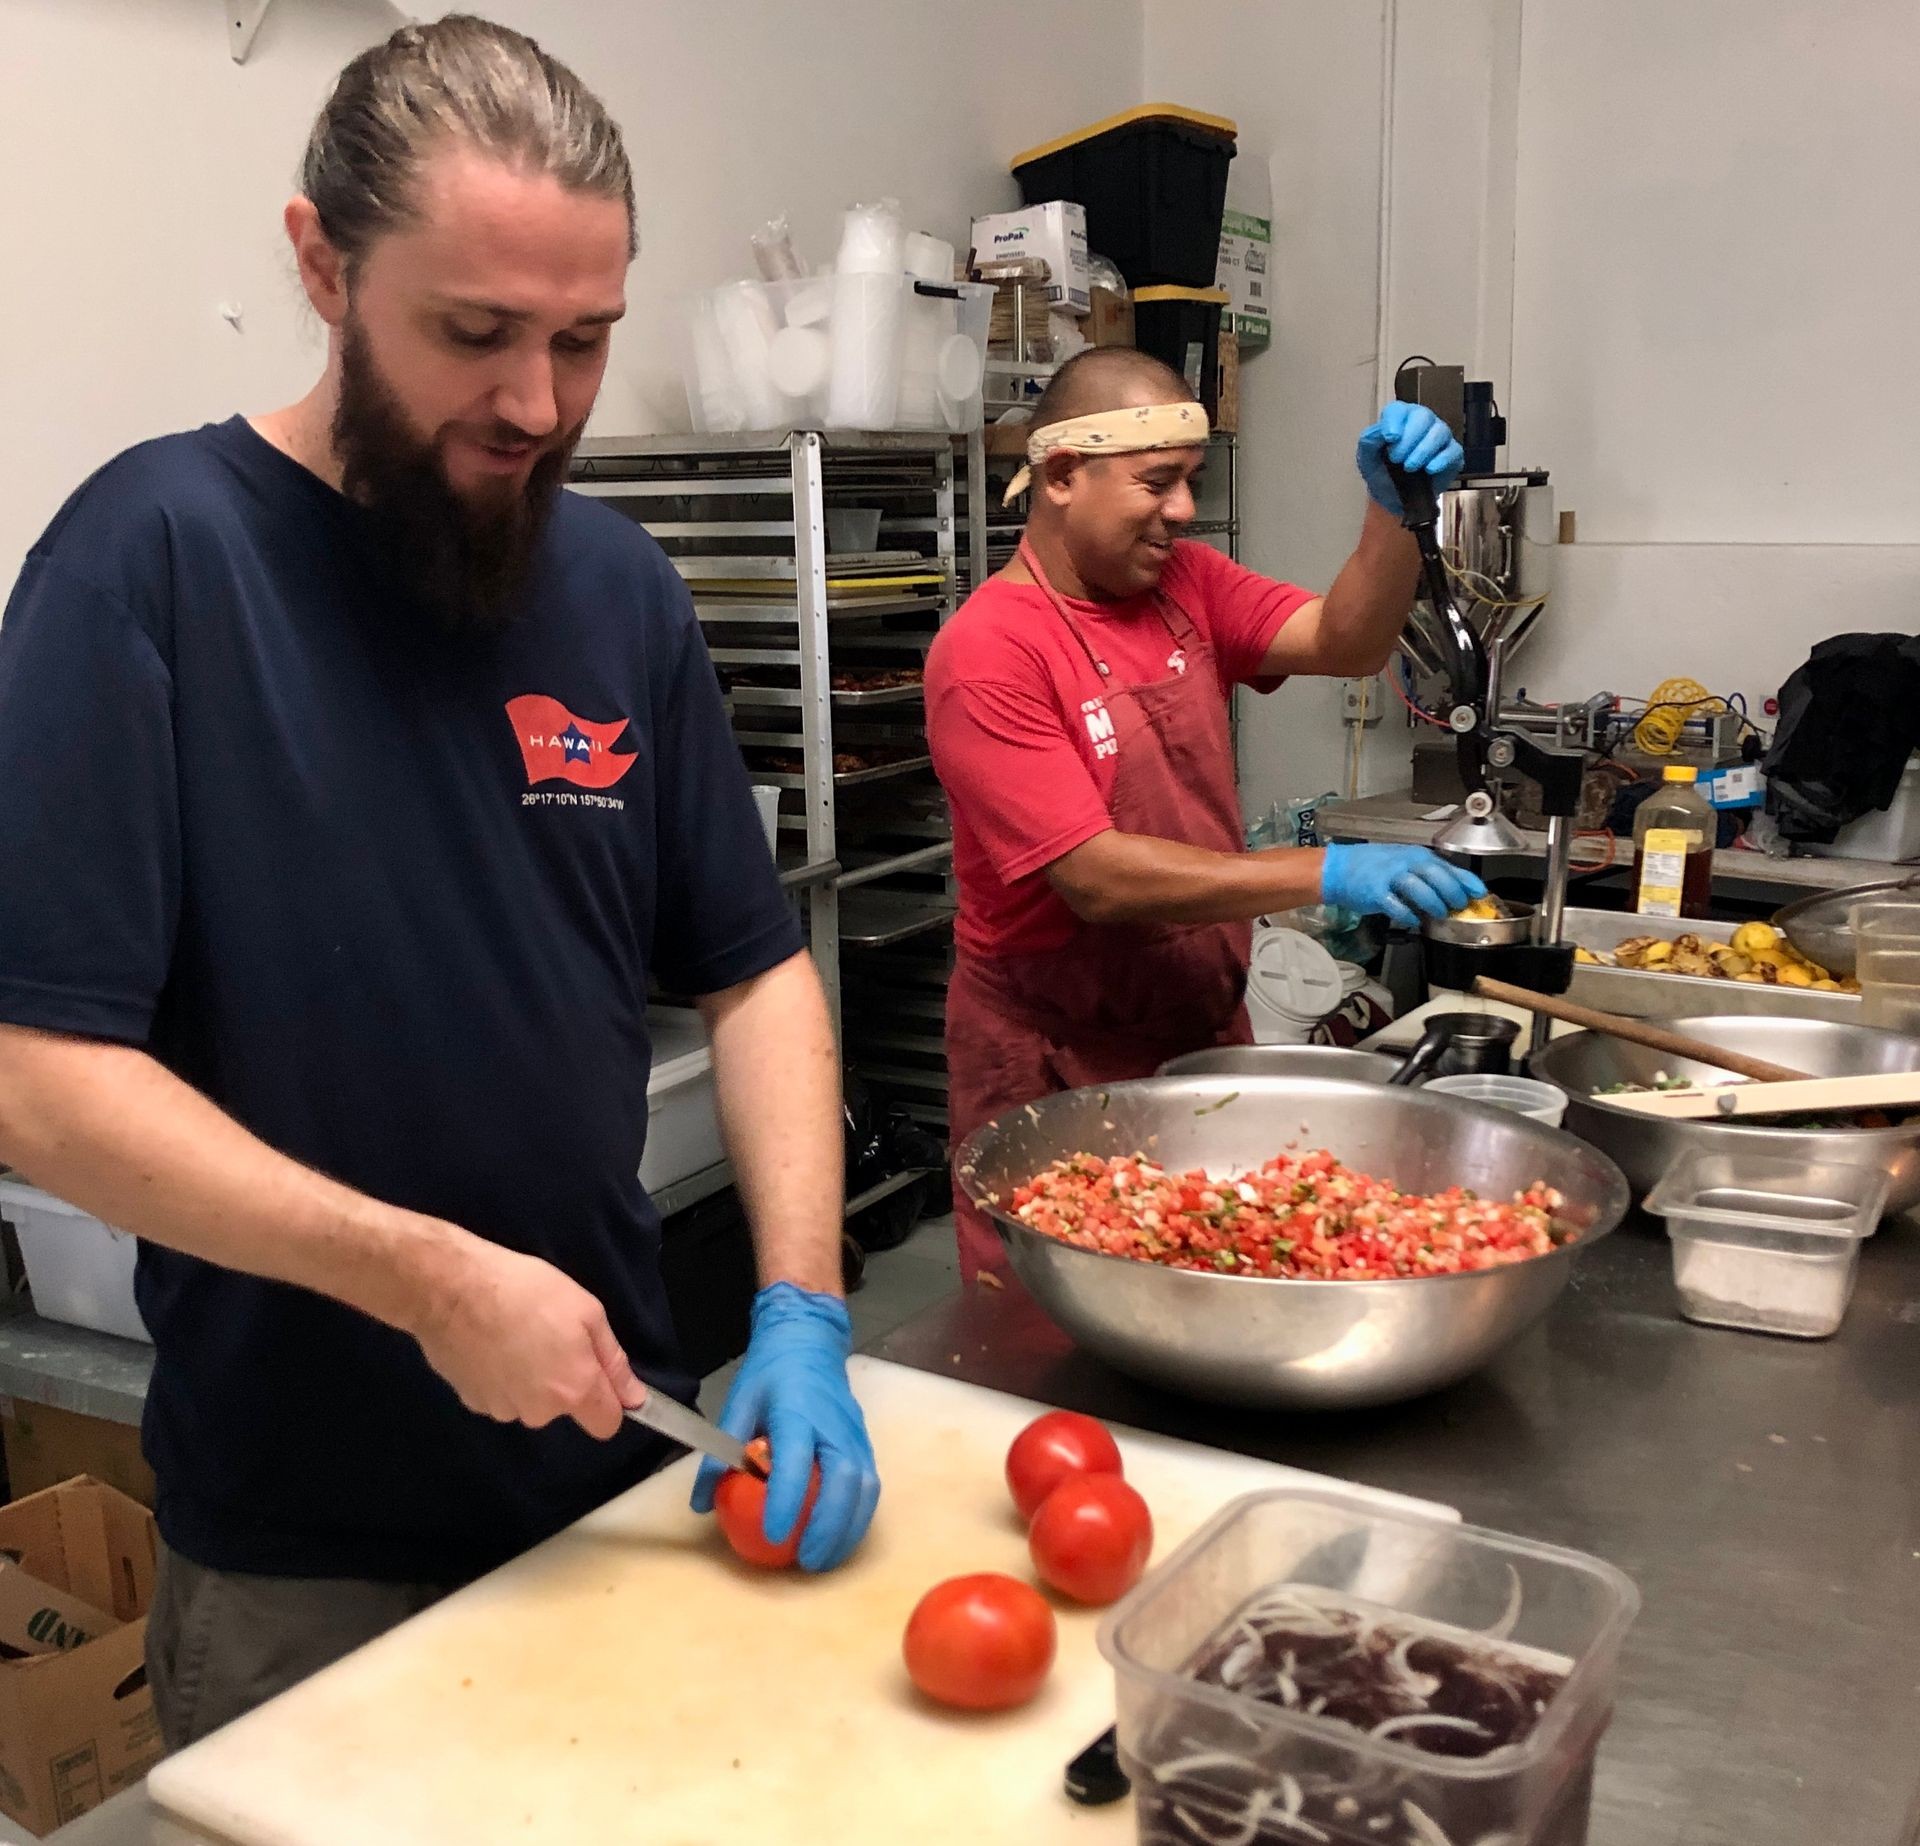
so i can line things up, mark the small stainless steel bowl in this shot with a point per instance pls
(1265, 1342)
(1482, 932)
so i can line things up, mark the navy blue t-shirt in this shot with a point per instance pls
(391, 899)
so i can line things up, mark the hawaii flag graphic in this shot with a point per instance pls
(557, 746)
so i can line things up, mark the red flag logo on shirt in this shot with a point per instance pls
(558, 746)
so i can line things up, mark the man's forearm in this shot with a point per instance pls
(1136, 878)
(777, 1080)
(1364, 612)
(113, 1131)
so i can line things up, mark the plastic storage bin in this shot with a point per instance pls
(1886, 934)
(1764, 1244)
(683, 1130)
(1540, 1102)
(80, 1270)
(1154, 184)
(1180, 1740)
(1182, 326)
(1892, 832)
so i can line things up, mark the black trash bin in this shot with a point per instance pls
(1154, 184)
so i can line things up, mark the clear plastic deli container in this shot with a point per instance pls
(1764, 1244)
(1314, 1667)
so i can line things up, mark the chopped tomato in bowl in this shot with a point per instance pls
(1301, 1216)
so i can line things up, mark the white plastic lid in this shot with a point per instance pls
(959, 366)
(1292, 975)
(798, 359)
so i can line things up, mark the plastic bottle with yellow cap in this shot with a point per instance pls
(1673, 836)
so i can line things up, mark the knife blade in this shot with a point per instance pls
(691, 1430)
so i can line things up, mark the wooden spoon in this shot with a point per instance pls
(1641, 1032)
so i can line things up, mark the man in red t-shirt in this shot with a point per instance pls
(1077, 711)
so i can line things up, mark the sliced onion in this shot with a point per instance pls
(1240, 1833)
(1204, 1759)
(1426, 1830)
(1426, 1720)
(1421, 1686)
(1505, 1625)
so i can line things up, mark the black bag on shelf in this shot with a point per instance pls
(1849, 720)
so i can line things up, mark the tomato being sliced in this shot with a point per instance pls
(982, 1643)
(1091, 1538)
(1051, 1448)
(740, 1504)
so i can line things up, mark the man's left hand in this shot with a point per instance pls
(1411, 437)
(792, 1388)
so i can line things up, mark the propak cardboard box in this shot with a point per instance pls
(76, 1716)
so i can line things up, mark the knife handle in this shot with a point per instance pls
(1094, 1777)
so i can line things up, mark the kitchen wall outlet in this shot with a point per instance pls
(1363, 701)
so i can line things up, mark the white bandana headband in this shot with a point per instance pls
(1113, 432)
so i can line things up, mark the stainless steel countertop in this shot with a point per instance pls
(1764, 1494)
(1396, 820)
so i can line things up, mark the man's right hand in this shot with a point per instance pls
(522, 1343)
(1402, 883)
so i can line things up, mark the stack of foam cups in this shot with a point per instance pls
(868, 325)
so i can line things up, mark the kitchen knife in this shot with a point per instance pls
(691, 1430)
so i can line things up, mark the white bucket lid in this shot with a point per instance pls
(1293, 976)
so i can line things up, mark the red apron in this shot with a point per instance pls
(1119, 999)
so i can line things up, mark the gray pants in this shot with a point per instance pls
(218, 1644)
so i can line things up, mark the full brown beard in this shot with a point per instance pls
(465, 559)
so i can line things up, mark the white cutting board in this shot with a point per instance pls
(628, 1682)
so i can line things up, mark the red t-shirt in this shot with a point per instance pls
(1014, 717)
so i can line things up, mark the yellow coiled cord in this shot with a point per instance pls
(1674, 701)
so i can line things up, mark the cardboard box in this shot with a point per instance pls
(46, 1445)
(1226, 416)
(76, 1715)
(1056, 233)
(1109, 321)
(1246, 253)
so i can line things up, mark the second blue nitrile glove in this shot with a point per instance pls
(1411, 437)
(1401, 883)
(792, 1388)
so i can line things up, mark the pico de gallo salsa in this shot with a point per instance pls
(1302, 1215)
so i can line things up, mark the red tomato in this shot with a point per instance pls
(740, 1503)
(1091, 1538)
(983, 1643)
(1051, 1448)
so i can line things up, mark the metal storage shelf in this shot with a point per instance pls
(749, 510)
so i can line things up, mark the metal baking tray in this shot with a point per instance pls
(844, 778)
(874, 919)
(1640, 995)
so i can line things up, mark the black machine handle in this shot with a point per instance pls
(1467, 654)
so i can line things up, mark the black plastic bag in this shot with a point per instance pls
(1849, 720)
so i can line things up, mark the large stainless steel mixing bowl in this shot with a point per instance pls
(1646, 1146)
(1273, 1344)
(1284, 1061)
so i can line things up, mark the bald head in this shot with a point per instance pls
(1108, 378)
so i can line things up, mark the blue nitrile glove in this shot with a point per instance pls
(792, 1388)
(1396, 882)
(1411, 437)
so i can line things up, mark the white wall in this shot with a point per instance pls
(1310, 82)
(1717, 266)
(145, 173)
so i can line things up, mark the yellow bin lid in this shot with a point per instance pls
(1147, 112)
(1168, 292)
